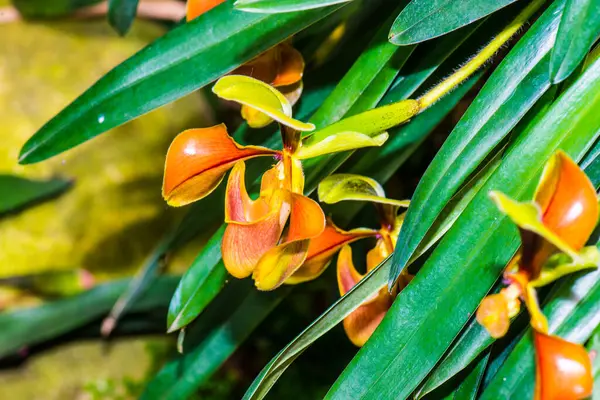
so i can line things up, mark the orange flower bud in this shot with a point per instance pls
(563, 369)
(195, 8)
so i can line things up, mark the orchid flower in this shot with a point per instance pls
(267, 238)
(361, 323)
(282, 66)
(554, 229)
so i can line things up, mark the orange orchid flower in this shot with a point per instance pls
(267, 238)
(554, 229)
(563, 369)
(361, 323)
(281, 66)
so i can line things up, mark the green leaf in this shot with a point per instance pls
(121, 14)
(185, 59)
(49, 9)
(35, 325)
(572, 312)
(199, 285)
(180, 378)
(18, 193)
(594, 345)
(468, 388)
(426, 19)
(260, 96)
(403, 350)
(281, 6)
(578, 30)
(514, 87)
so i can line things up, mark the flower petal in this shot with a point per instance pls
(363, 321)
(492, 314)
(307, 220)
(195, 8)
(278, 264)
(568, 201)
(245, 243)
(322, 249)
(377, 254)
(197, 161)
(263, 67)
(239, 207)
(341, 187)
(291, 67)
(563, 369)
(528, 216)
(341, 141)
(560, 265)
(256, 94)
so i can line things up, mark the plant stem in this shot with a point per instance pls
(476, 62)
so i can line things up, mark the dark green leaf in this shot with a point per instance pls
(518, 82)
(181, 377)
(17, 193)
(594, 345)
(185, 59)
(34, 325)
(199, 285)
(412, 337)
(121, 14)
(280, 6)
(578, 30)
(467, 390)
(426, 19)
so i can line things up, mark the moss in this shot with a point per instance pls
(114, 214)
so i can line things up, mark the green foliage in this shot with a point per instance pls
(370, 66)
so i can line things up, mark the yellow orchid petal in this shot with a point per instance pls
(528, 216)
(195, 8)
(563, 369)
(363, 321)
(197, 161)
(255, 119)
(338, 142)
(245, 243)
(307, 221)
(560, 265)
(322, 250)
(341, 187)
(256, 94)
(377, 254)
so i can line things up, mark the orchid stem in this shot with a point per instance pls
(480, 59)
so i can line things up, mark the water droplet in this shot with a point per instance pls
(100, 118)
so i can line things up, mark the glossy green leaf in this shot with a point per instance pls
(121, 14)
(426, 19)
(572, 312)
(402, 351)
(17, 193)
(342, 187)
(180, 378)
(280, 6)
(34, 325)
(199, 285)
(185, 59)
(514, 87)
(578, 30)
(468, 388)
(339, 142)
(260, 96)
(41, 9)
